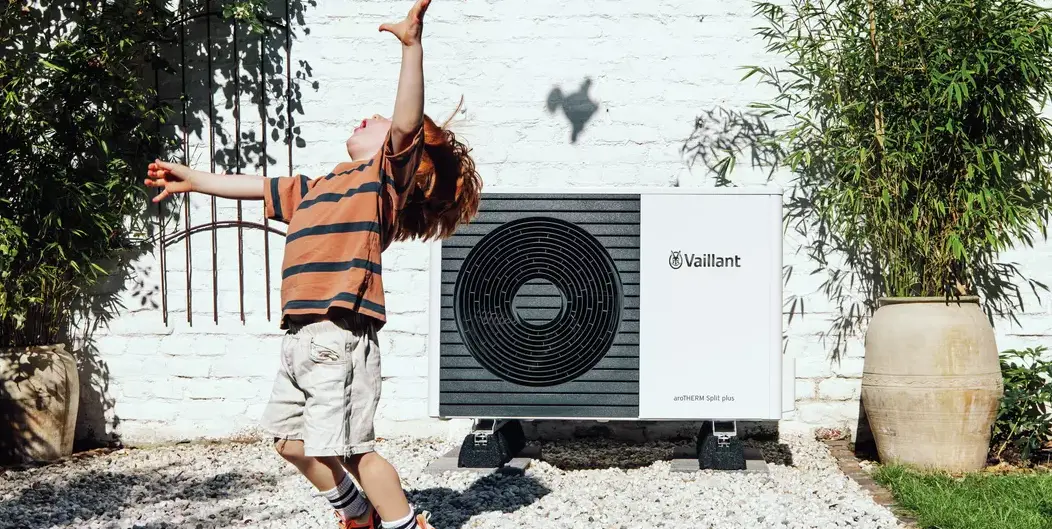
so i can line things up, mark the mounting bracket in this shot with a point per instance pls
(719, 447)
(491, 443)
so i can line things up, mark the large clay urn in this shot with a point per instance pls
(931, 385)
(39, 400)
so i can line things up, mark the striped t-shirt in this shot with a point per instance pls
(338, 225)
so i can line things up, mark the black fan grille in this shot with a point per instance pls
(547, 253)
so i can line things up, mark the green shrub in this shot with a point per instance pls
(79, 121)
(1024, 421)
(916, 141)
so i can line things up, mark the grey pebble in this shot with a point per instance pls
(229, 485)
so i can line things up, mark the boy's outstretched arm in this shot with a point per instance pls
(176, 178)
(409, 102)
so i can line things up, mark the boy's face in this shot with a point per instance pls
(368, 137)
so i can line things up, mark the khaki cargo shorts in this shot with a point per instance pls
(327, 388)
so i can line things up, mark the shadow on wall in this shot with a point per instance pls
(210, 64)
(96, 423)
(219, 65)
(578, 107)
(722, 137)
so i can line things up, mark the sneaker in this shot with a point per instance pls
(369, 520)
(422, 520)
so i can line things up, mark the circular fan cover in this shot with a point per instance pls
(572, 287)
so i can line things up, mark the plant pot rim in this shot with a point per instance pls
(926, 299)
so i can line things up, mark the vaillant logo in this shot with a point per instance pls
(677, 259)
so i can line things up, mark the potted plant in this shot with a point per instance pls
(39, 383)
(918, 153)
(78, 124)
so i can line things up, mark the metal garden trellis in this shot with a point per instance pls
(188, 229)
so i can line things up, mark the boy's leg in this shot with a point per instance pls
(377, 476)
(383, 486)
(284, 418)
(318, 471)
(331, 479)
(339, 419)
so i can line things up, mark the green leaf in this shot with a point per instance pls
(750, 71)
(82, 92)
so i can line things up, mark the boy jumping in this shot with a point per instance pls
(408, 178)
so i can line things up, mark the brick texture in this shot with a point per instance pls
(650, 67)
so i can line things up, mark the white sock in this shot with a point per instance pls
(346, 499)
(407, 522)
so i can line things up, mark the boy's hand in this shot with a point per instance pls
(409, 30)
(172, 177)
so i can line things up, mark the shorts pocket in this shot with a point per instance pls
(330, 349)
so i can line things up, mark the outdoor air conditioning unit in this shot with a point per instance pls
(610, 304)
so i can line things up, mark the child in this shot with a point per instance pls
(408, 178)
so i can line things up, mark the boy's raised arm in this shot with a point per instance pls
(409, 101)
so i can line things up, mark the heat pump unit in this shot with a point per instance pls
(610, 304)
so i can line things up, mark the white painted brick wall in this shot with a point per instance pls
(654, 66)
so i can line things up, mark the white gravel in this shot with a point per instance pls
(247, 485)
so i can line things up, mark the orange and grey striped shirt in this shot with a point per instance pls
(338, 225)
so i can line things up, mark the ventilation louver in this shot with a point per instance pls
(538, 301)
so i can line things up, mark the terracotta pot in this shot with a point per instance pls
(931, 385)
(39, 400)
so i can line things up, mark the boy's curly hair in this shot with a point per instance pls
(446, 187)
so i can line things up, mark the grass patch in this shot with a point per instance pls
(977, 501)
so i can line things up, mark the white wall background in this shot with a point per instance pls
(654, 67)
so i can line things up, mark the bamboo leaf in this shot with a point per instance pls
(52, 66)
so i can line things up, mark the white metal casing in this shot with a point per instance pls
(710, 303)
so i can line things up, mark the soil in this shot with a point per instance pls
(1009, 461)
